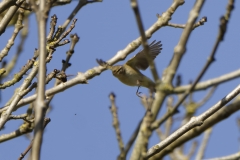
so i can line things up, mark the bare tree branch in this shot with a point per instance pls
(120, 55)
(40, 105)
(23, 129)
(18, 27)
(6, 4)
(209, 83)
(9, 15)
(199, 23)
(192, 149)
(222, 31)
(116, 124)
(22, 155)
(230, 157)
(12, 63)
(194, 122)
(80, 4)
(17, 96)
(144, 37)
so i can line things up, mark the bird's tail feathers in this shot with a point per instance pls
(103, 63)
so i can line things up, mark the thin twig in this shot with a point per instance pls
(21, 116)
(74, 39)
(80, 4)
(192, 149)
(169, 121)
(12, 63)
(52, 28)
(18, 76)
(203, 145)
(160, 134)
(199, 23)
(207, 97)
(136, 11)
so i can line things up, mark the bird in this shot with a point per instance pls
(129, 73)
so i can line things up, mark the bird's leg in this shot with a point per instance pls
(138, 93)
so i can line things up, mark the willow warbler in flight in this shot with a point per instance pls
(129, 73)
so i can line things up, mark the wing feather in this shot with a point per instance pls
(140, 61)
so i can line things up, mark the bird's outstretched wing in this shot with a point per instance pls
(140, 61)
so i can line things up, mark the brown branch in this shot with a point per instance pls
(199, 23)
(120, 55)
(130, 142)
(18, 76)
(192, 149)
(180, 49)
(80, 4)
(26, 127)
(9, 15)
(63, 35)
(191, 106)
(17, 96)
(160, 134)
(116, 124)
(40, 105)
(144, 37)
(2, 71)
(52, 28)
(140, 148)
(6, 4)
(209, 83)
(222, 30)
(22, 155)
(18, 27)
(12, 63)
(207, 97)
(65, 63)
(194, 122)
(22, 116)
(203, 145)
(235, 156)
(70, 52)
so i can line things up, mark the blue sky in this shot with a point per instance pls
(81, 126)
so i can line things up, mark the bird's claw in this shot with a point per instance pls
(138, 93)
